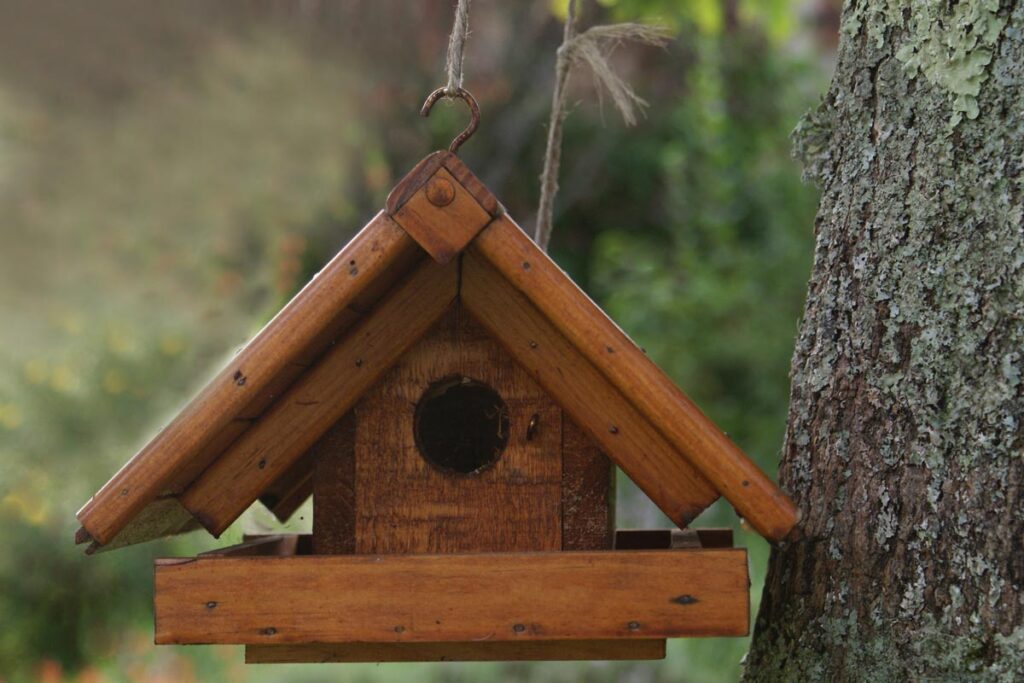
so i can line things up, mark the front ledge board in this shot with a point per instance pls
(493, 597)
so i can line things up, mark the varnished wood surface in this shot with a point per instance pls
(320, 397)
(180, 451)
(453, 598)
(289, 491)
(425, 169)
(533, 650)
(406, 505)
(588, 491)
(594, 404)
(505, 247)
(334, 489)
(442, 230)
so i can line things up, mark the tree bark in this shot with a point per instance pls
(904, 442)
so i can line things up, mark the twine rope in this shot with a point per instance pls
(456, 48)
(593, 47)
(553, 153)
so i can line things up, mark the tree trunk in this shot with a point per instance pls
(904, 444)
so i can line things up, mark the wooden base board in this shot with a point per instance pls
(534, 651)
(534, 596)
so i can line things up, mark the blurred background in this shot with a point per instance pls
(171, 173)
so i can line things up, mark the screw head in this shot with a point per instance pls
(440, 192)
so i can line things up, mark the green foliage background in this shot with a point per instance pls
(150, 226)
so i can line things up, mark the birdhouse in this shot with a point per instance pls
(456, 407)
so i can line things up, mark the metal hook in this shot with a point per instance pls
(474, 109)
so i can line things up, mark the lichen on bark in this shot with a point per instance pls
(906, 424)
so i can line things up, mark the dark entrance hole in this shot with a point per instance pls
(461, 425)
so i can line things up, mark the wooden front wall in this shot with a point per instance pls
(375, 493)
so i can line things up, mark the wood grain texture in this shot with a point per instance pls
(334, 489)
(406, 505)
(505, 247)
(584, 393)
(320, 397)
(473, 185)
(287, 493)
(372, 253)
(425, 169)
(286, 507)
(526, 651)
(453, 598)
(588, 492)
(442, 230)
(414, 180)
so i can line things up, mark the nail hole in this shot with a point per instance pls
(269, 631)
(684, 600)
(633, 625)
(262, 463)
(239, 378)
(613, 429)
(526, 265)
(518, 628)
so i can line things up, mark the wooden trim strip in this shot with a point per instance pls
(504, 245)
(276, 545)
(595, 405)
(319, 399)
(508, 651)
(663, 539)
(452, 598)
(376, 249)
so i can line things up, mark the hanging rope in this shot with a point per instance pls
(553, 153)
(593, 47)
(456, 48)
(453, 89)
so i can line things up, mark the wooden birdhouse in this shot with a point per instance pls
(455, 406)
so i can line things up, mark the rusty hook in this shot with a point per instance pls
(474, 109)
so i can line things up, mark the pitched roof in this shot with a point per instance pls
(247, 434)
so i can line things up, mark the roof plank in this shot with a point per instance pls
(182, 444)
(320, 397)
(504, 246)
(600, 409)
